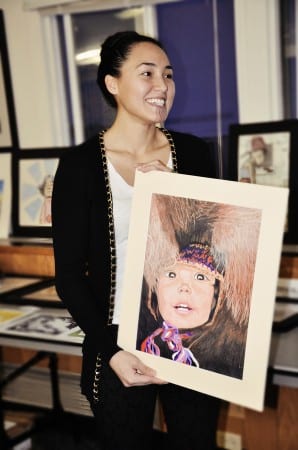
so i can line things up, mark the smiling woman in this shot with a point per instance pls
(91, 204)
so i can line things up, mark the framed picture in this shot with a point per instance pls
(33, 175)
(5, 194)
(200, 282)
(8, 126)
(265, 153)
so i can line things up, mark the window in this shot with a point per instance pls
(80, 36)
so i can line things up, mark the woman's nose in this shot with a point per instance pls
(161, 83)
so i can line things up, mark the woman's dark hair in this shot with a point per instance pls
(114, 52)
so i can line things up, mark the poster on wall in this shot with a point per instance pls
(200, 282)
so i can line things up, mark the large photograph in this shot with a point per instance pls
(200, 282)
(193, 283)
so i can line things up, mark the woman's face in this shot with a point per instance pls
(145, 89)
(184, 295)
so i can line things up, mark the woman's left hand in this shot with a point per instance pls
(153, 165)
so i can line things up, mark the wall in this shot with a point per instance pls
(28, 67)
(258, 60)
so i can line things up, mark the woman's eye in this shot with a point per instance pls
(169, 76)
(146, 74)
(171, 274)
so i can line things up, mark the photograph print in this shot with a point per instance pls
(264, 159)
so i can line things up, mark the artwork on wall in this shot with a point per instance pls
(265, 154)
(33, 174)
(195, 281)
(5, 194)
(8, 128)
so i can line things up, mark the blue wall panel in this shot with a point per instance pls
(186, 30)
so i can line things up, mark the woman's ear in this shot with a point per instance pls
(111, 84)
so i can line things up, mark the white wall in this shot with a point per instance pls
(37, 106)
(28, 68)
(258, 60)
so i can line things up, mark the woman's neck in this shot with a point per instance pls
(136, 140)
(127, 147)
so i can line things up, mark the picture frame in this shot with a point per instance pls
(5, 194)
(265, 153)
(8, 124)
(33, 176)
(233, 238)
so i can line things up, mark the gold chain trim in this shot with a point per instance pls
(96, 381)
(173, 149)
(111, 216)
(111, 228)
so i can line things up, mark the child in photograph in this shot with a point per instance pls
(186, 298)
(196, 289)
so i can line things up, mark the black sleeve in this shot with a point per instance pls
(71, 203)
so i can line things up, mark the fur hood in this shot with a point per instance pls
(231, 231)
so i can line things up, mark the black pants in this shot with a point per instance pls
(124, 416)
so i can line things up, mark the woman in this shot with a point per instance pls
(91, 203)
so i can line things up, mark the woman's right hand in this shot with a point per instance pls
(131, 371)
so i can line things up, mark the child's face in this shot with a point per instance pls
(184, 295)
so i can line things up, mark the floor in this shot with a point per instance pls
(65, 431)
(62, 431)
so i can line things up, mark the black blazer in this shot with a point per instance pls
(81, 237)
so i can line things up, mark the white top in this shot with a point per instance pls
(122, 199)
